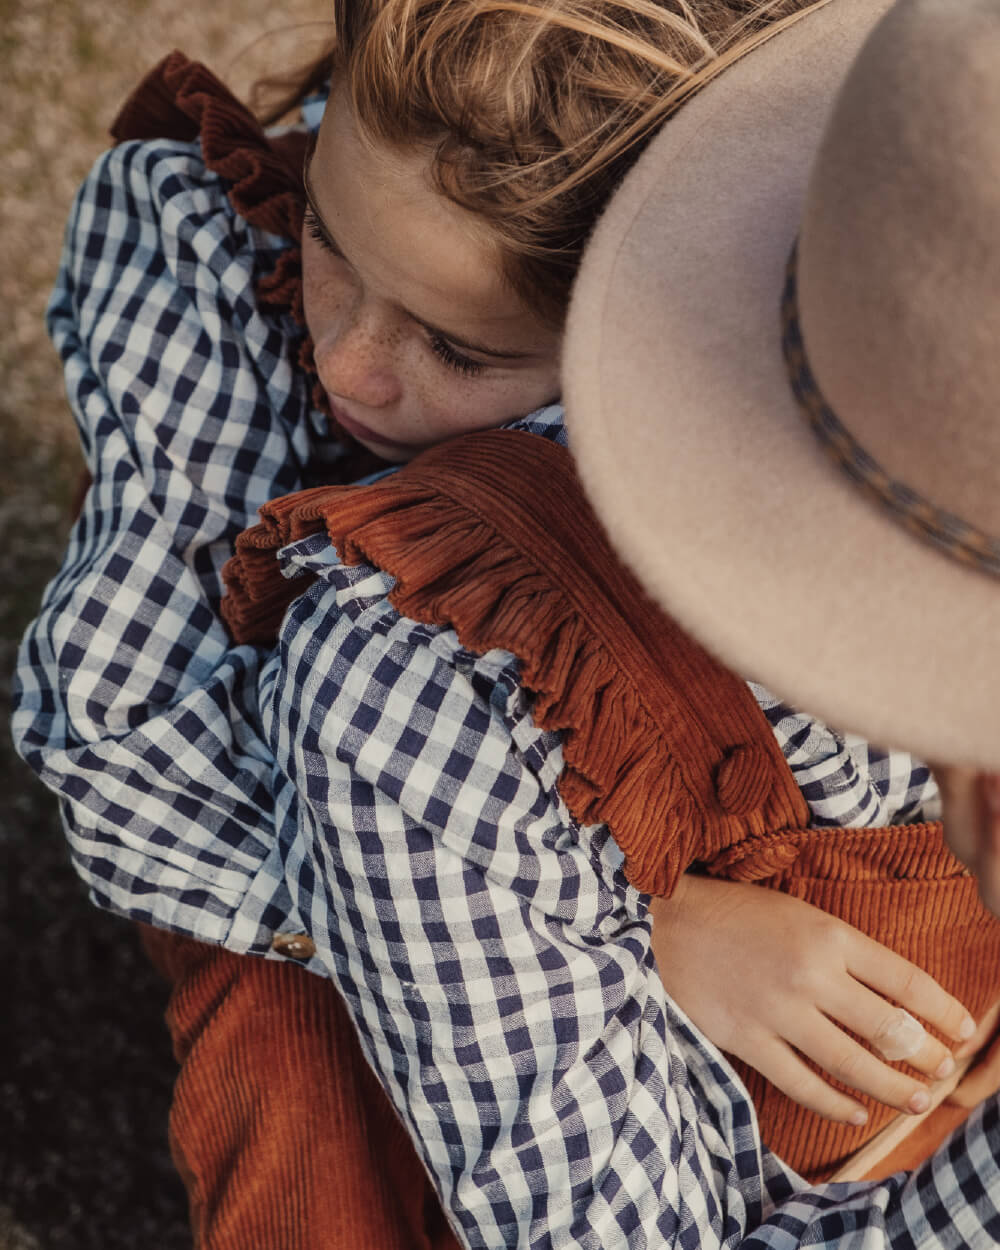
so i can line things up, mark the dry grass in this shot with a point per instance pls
(66, 65)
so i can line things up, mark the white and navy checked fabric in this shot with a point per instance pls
(845, 780)
(499, 967)
(374, 784)
(131, 703)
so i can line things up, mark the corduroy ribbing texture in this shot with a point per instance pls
(491, 534)
(279, 1128)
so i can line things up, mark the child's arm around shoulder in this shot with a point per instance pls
(174, 374)
(129, 702)
(497, 963)
(770, 978)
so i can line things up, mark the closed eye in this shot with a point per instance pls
(318, 232)
(464, 365)
(439, 345)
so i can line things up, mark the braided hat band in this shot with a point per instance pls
(950, 533)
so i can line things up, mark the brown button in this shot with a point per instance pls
(294, 945)
(743, 779)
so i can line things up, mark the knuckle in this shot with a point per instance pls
(801, 978)
(831, 931)
(849, 1065)
(810, 967)
(802, 1089)
(911, 981)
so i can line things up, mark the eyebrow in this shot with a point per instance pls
(458, 340)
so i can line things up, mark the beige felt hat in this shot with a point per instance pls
(840, 544)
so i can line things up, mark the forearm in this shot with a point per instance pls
(130, 702)
(497, 965)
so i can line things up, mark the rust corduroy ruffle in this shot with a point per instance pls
(491, 534)
(182, 99)
(262, 175)
(659, 741)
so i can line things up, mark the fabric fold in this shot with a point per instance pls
(491, 535)
(183, 100)
(605, 667)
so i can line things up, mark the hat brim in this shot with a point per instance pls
(696, 455)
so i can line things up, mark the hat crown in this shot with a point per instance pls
(899, 263)
(687, 418)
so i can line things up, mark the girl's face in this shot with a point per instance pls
(418, 337)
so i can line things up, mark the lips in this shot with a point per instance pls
(360, 431)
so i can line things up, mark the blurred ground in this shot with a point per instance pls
(85, 1068)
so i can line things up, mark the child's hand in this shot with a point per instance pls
(765, 975)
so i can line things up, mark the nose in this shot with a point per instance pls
(355, 360)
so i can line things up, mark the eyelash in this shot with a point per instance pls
(316, 231)
(444, 351)
(441, 348)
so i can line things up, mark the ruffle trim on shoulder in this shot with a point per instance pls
(503, 577)
(183, 99)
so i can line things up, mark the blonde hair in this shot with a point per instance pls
(531, 111)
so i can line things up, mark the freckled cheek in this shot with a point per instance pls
(462, 406)
(347, 338)
(326, 300)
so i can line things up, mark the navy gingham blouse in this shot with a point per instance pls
(372, 784)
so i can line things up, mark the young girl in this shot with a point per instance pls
(373, 797)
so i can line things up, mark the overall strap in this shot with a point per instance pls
(491, 534)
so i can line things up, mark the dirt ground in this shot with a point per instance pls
(85, 1068)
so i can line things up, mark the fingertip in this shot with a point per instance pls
(858, 1117)
(919, 1102)
(961, 1032)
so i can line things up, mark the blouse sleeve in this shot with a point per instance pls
(129, 703)
(498, 968)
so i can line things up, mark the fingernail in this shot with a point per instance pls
(967, 1029)
(920, 1101)
(859, 1117)
(945, 1068)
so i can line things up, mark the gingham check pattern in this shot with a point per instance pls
(378, 786)
(499, 966)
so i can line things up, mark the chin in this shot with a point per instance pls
(385, 451)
